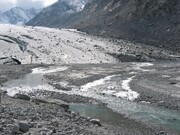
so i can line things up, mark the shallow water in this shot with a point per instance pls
(109, 116)
(103, 113)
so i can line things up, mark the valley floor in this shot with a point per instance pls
(64, 68)
(50, 115)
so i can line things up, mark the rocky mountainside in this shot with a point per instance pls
(58, 13)
(18, 15)
(153, 22)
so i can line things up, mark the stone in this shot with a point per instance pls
(22, 97)
(23, 126)
(15, 129)
(1, 128)
(54, 130)
(39, 125)
(96, 121)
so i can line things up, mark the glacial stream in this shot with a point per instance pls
(108, 90)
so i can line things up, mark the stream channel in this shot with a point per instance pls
(115, 106)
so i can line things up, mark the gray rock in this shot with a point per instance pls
(1, 128)
(96, 121)
(54, 130)
(39, 125)
(23, 126)
(22, 97)
(15, 129)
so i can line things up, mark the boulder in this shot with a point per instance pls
(22, 97)
(23, 126)
(96, 121)
(15, 129)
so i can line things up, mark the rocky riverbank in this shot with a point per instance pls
(45, 118)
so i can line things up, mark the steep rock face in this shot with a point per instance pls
(18, 15)
(58, 13)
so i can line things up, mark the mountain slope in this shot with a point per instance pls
(18, 15)
(153, 22)
(58, 13)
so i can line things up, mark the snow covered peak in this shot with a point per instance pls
(58, 13)
(18, 15)
(78, 4)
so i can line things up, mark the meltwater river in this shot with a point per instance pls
(112, 90)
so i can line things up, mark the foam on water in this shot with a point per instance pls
(128, 93)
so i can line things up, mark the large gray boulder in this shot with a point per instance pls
(23, 126)
(15, 129)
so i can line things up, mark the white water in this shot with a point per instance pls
(128, 93)
(88, 86)
(32, 82)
